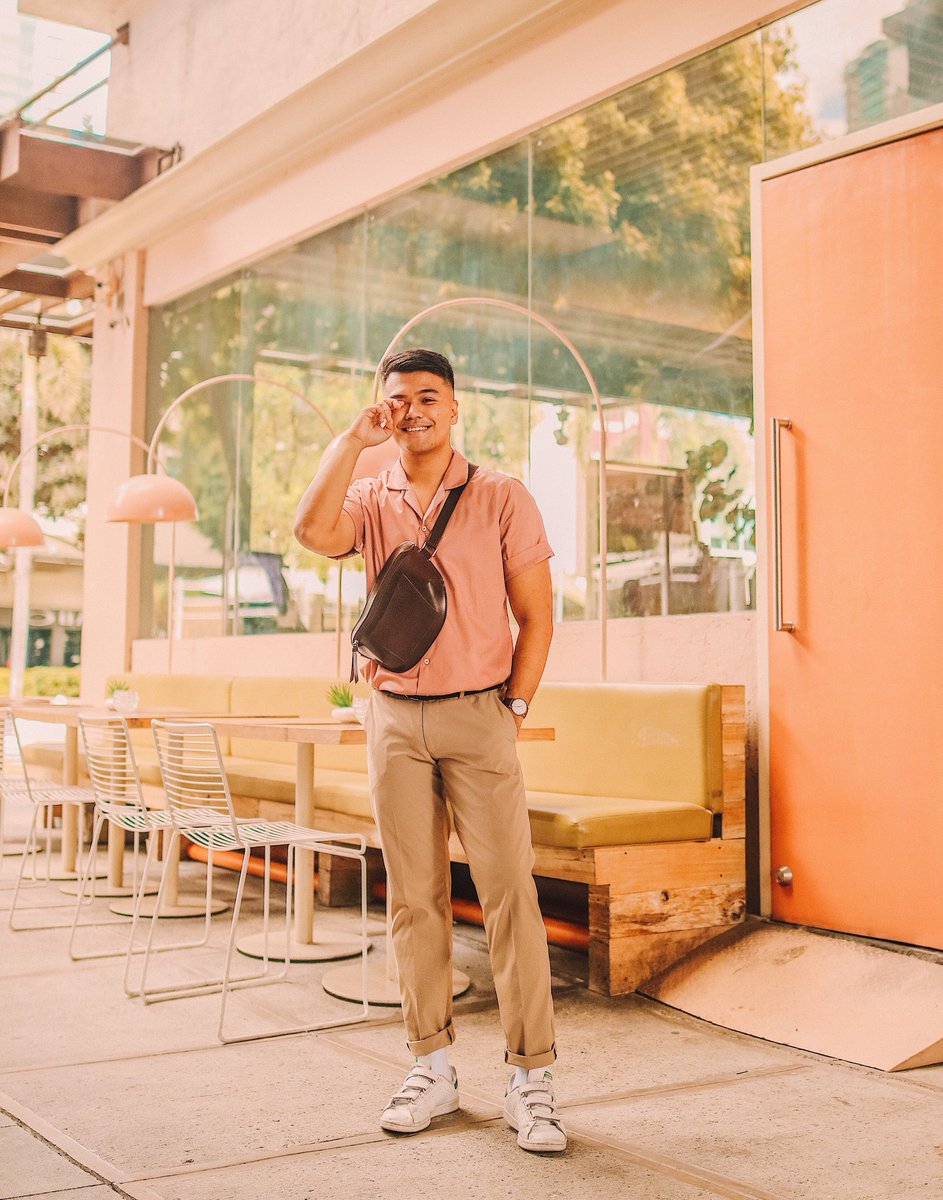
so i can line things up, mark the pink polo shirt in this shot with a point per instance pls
(495, 533)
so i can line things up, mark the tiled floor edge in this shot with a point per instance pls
(107, 1172)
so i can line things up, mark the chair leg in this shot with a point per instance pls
(19, 877)
(168, 852)
(152, 840)
(196, 987)
(231, 944)
(88, 881)
(365, 945)
(29, 852)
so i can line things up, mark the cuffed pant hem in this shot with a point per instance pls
(532, 1060)
(437, 1041)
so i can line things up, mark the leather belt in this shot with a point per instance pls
(448, 696)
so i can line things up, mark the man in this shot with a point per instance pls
(445, 732)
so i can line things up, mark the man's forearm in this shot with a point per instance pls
(530, 658)
(321, 506)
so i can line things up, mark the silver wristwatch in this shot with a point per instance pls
(517, 706)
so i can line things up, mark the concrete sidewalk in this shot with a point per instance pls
(101, 1095)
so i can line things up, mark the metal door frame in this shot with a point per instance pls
(900, 128)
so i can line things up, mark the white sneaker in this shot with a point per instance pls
(531, 1111)
(424, 1095)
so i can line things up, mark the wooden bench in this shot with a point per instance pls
(641, 798)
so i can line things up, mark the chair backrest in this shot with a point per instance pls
(12, 764)
(192, 773)
(112, 767)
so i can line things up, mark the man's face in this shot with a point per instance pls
(424, 410)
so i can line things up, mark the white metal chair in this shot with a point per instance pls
(201, 807)
(44, 797)
(113, 772)
(12, 783)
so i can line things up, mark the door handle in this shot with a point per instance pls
(777, 425)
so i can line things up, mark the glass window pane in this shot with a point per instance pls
(852, 64)
(193, 339)
(641, 255)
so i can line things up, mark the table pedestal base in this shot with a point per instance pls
(106, 890)
(175, 910)
(61, 875)
(346, 983)
(326, 946)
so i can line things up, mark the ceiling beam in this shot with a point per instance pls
(35, 214)
(31, 160)
(76, 286)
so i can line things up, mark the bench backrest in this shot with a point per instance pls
(643, 741)
(201, 693)
(304, 696)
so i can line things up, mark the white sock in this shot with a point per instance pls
(437, 1061)
(522, 1075)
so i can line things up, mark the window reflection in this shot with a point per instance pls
(628, 226)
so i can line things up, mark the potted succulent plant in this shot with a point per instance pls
(342, 698)
(121, 697)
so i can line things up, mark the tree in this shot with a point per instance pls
(63, 387)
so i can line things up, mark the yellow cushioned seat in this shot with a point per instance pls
(299, 695)
(198, 693)
(652, 741)
(578, 821)
(46, 754)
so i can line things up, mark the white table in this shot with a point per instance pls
(308, 944)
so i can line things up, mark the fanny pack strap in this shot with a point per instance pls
(430, 547)
(432, 542)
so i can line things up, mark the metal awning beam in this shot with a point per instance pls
(45, 164)
(76, 286)
(35, 215)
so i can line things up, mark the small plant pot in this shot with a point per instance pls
(343, 714)
(124, 700)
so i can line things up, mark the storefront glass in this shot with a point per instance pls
(627, 225)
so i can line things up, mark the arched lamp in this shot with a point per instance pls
(18, 527)
(152, 499)
(492, 302)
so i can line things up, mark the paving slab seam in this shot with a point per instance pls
(692, 1085)
(197, 1048)
(104, 1171)
(675, 1168)
(330, 1146)
(663, 1164)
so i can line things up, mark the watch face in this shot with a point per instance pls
(518, 707)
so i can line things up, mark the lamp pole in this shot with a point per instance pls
(25, 462)
(493, 302)
(135, 504)
(19, 632)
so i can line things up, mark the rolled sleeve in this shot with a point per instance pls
(353, 506)
(523, 537)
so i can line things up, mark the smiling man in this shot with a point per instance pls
(441, 737)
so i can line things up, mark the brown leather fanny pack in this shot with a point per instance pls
(407, 605)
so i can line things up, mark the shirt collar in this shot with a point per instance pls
(455, 475)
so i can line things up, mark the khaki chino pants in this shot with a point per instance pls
(429, 757)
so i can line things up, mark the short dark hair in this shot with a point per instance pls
(408, 362)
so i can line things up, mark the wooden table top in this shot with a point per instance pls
(70, 714)
(322, 732)
(262, 727)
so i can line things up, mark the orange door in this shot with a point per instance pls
(852, 254)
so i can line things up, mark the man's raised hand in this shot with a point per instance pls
(374, 424)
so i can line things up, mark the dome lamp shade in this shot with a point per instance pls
(19, 528)
(151, 500)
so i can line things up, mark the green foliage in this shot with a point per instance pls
(44, 681)
(63, 388)
(718, 495)
(115, 684)
(340, 695)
